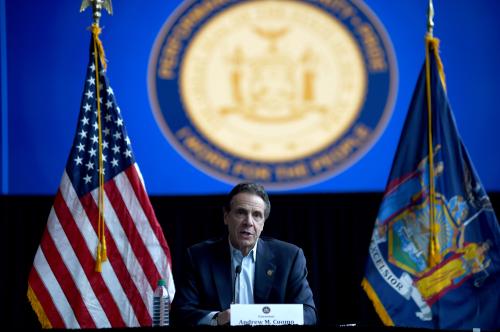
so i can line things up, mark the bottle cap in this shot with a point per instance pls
(162, 282)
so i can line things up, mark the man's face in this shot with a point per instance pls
(245, 220)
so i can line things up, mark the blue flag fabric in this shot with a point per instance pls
(434, 270)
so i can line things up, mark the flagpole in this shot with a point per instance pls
(430, 19)
(72, 285)
(431, 42)
(97, 5)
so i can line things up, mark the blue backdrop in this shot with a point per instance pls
(43, 49)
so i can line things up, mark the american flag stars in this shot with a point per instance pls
(115, 141)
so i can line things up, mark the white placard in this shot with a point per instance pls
(267, 314)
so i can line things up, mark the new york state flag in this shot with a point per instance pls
(434, 256)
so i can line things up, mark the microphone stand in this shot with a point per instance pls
(237, 272)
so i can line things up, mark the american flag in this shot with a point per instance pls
(64, 289)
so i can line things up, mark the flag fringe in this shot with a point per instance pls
(38, 309)
(379, 307)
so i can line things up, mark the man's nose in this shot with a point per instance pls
(248, 220)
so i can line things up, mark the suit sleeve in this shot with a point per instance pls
(186, 306)
(298, 290)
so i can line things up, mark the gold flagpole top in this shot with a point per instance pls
(97, 6)
(430, 19)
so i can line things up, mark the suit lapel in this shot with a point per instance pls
(222, 273)
(265, 269)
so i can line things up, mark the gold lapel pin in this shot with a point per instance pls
(270, 273)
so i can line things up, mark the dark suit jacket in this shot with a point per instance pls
(206, 286)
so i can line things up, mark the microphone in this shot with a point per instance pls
(237, 272)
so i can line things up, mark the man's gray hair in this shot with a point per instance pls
(251, 188)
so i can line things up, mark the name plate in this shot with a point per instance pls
(267, 314)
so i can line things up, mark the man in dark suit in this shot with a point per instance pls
(262, 270)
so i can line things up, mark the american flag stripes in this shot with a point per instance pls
(64, 289)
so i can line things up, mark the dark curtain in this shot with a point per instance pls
(334, 231)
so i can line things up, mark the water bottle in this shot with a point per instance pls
(161, 305)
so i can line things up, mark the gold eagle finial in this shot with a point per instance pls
(97, 6)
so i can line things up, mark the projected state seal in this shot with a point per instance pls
(285, 93)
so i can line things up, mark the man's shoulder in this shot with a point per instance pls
(207, 244)
(276, 244)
